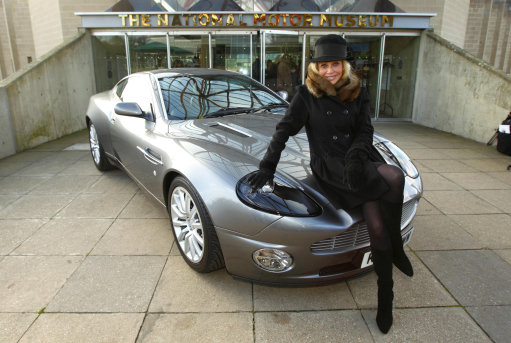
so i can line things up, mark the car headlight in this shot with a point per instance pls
(272, 260)
(279, 198)
(399, 157)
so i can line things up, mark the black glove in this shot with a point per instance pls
(259, 178)
(354, 174)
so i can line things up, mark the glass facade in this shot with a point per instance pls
(278, 59)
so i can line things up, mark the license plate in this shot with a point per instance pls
(408, 237)
(366, 260)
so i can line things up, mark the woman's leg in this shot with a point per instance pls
(391, 205)
(381, 254)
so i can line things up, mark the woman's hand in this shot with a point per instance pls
(259, 178)
(354, 174)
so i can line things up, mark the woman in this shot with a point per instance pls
(335, 112)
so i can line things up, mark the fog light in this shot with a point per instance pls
(272, 260)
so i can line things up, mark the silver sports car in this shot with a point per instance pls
(190, 138)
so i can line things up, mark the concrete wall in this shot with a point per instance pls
(457, 92)
(47, 99)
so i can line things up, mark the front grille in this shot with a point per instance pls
(357, 235)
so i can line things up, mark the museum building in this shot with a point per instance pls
(271, 41)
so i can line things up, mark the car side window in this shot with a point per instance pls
(139, 90)
(120, 87)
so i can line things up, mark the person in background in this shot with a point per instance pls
(335, 112)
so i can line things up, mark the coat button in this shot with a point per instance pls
(328, 113)
(334, 138)
(345, 112)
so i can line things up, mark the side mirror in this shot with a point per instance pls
(130, 109)
(283, 94)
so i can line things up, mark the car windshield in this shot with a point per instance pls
(203, 96)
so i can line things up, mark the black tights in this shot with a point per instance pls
(378, 235)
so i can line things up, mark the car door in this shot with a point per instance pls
(134, 138)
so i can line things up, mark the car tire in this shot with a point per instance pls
(98, 154)
(192, 227)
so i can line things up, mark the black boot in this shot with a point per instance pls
(391, 213)
(383, 267)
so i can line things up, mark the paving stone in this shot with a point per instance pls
(471, 181)
(181, 289)
(463, 154)
(426, 154)
(27, 156)
(136, 237)
(98, 205)
(494, 320)
(81, 167)
(492, 230)
(460, 202)
(43, 168)
(28, 283)
(421, 290)
(449, 166)
(20, 184)
(114, 181)
(13, 325)
(487, 165)
(14, 231)
(336, 296)
(65, 237)
(83, 328)
(505, 254)
(503, 176)
(435, 182)
(439, 232)
(62, 184)
(198, 327)
(8, 168)
(473, 277)
(110, 284)
(428, 325)
(422, 168)
(6, 200)
(425, 208)
(498, 198)
(36, 206)
(141, 206)
(297, 327)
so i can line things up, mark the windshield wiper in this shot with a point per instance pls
(228, 111)
(271, 105)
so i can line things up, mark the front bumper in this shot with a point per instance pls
(308, 268)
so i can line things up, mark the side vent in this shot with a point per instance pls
(230, 129)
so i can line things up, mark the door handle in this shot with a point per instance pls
(151, 156)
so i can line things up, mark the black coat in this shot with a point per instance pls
(334, 129)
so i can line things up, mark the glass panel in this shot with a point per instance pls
(398, 78)
(232, 52)
(363, 53)
(147, 52)
(189, 51)
(191, 97)
(256, 56)
(109, 61)
(283, 62)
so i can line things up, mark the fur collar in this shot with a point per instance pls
(345, 89)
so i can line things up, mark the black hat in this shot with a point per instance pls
(329, 48)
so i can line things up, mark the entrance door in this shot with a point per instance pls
(282, 55)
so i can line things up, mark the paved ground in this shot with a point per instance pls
(86, 257)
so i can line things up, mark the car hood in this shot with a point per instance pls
(242, 140)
